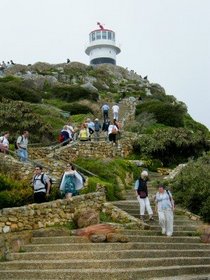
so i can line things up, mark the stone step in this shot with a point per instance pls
(152, 232)
(100, 264)
(114, 246)
(117, 254)
(105, 274)
(177, 221)
(132, 238)
(176, 227)
(59, 239)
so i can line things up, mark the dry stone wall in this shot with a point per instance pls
(58, 212)
(90, 149)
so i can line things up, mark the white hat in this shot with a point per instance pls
(144, 173)
(96, 120)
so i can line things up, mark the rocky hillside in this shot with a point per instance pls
(41, 97)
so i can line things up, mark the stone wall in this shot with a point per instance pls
(58, 212)
(88, 149)
(19, 224)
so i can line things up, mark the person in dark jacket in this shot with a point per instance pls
(142, 195)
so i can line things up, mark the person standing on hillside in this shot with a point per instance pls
(105, 128)
(97, 127)
(105, 111)
(112, 132)
(165, 208)
(115, 110)
(22, 146)
(142, 195)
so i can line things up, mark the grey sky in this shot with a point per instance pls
(168, 40)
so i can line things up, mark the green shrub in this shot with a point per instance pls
(21, 117)
(172, 145)
(73, 93)
(77, 109)
(108, 171)
(13, 193)
(13, 88)
(166, 113)
(191, 187)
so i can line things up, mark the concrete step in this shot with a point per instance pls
(132, 238)
(162, 239)
(177, 220)
(100, 264)
(167, 243)
(59, 239)
(158, 233)
(117, 254)
(176, 227)
(105, 274)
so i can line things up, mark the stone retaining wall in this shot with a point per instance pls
(88, 149)
(18, 224)
(58, 212)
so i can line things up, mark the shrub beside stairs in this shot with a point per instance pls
(147, 255)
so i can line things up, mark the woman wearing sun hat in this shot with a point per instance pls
(142, 195)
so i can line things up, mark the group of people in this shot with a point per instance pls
(21, 145)
(92, 129)
(5, 65)
(164, 203)
(70, 184)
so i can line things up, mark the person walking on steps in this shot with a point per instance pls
(105, 111)
(165, 207)
(115, 111)
(142, 195)
(41, 185)
(71, 182)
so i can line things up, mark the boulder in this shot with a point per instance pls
(86, 218)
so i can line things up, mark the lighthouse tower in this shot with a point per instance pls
(102, 47)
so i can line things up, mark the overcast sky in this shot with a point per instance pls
(168, 40)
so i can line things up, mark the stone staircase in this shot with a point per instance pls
(147, 255)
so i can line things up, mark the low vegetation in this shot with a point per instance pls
(192, 187)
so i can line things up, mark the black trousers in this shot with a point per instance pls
(40, 197)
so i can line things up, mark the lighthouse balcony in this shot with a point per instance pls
(102, 44)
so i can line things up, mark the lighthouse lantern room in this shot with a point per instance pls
(102, 47)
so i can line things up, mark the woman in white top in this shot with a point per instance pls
(4, 143)
(165, 207)
(71, 182)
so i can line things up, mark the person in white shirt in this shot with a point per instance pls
(165, 208)
(115, 110)
(70, 130)
(4, 143)
(41, 188)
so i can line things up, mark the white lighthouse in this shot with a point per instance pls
(102, 47)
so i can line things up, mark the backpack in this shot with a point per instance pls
(114, 130)
(61, 138)
(45, 184)
(170, 198)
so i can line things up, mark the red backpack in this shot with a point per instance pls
(60, 138)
